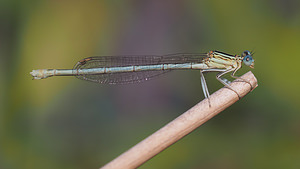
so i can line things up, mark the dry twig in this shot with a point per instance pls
(182, 125)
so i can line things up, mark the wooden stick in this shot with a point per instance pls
(182, 125)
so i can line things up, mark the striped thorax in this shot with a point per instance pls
(220, 60)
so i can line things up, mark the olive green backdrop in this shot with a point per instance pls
(66, 123)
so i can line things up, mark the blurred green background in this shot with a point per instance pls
(66, 123)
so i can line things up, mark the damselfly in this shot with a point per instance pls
(131, 69)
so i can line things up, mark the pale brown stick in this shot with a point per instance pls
(182, 125)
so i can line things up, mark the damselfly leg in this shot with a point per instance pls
(204, 87)
(224, 82)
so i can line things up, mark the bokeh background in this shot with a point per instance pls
(66, 123)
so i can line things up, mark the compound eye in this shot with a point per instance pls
(248, 60)
(245, 53)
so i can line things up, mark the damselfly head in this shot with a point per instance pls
(247, 59)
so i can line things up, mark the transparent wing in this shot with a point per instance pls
(132, 77)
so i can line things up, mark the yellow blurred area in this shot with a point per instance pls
(57, 32)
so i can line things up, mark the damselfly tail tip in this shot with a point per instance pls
(39, 74)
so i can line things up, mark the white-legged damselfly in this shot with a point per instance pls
(131, 69)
